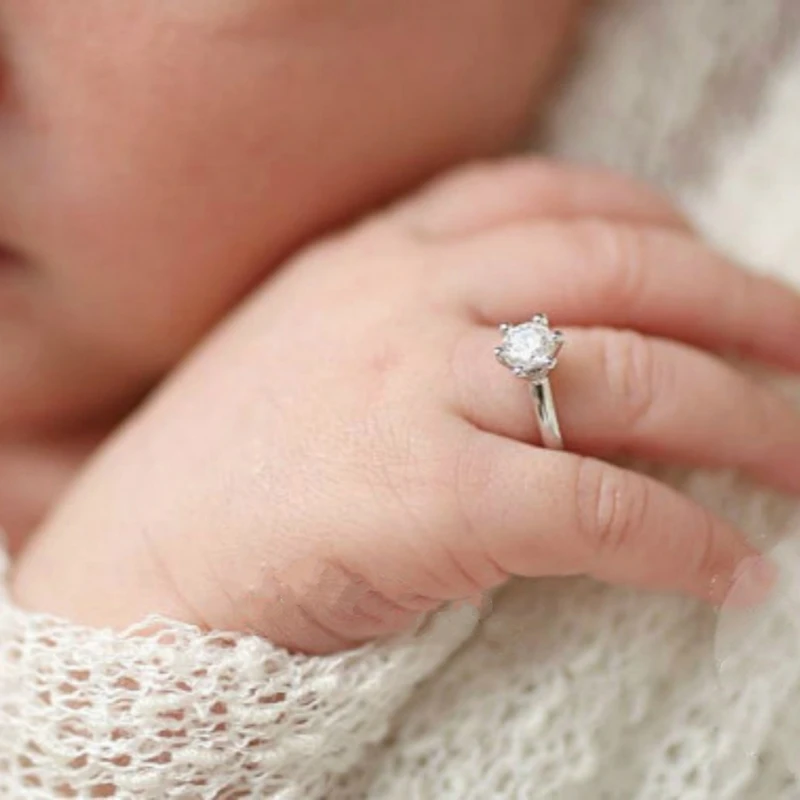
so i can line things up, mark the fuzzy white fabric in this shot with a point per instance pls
(568, 689)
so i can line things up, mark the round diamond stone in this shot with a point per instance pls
(529, 348)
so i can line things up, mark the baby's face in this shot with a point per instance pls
(157, 157)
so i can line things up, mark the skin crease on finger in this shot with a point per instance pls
(158, 157)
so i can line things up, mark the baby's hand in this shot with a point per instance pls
(345, 453)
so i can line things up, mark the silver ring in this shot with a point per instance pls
(531, 351)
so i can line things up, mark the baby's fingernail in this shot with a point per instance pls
(753, 583)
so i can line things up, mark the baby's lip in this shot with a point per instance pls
(10, 257)
(14, 289)
(14, 263)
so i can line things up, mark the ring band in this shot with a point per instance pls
(546, 414)
(531, 351)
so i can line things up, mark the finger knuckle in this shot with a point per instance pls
(439, 198)
(740, 291)
(767, 416)
(609, 506)
(617, 253)
(636, 379)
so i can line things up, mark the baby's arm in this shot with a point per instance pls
(345, 454)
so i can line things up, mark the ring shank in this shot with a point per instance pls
(545, 406)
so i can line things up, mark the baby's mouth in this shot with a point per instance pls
(10, 258)
(13, 283)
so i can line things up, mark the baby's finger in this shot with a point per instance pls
(492, 195)
(619, 392)
(560, 514)
(623, 276)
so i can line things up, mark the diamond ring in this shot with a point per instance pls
(531, 351)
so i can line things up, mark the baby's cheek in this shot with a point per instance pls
(169, 152)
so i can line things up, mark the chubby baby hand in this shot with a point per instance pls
(345, 454)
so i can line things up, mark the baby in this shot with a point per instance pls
(343, 453)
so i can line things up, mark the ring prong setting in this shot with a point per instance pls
(530, 350)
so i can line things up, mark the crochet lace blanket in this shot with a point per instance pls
(567, 689)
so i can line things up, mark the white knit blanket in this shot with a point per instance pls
(568, 689)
